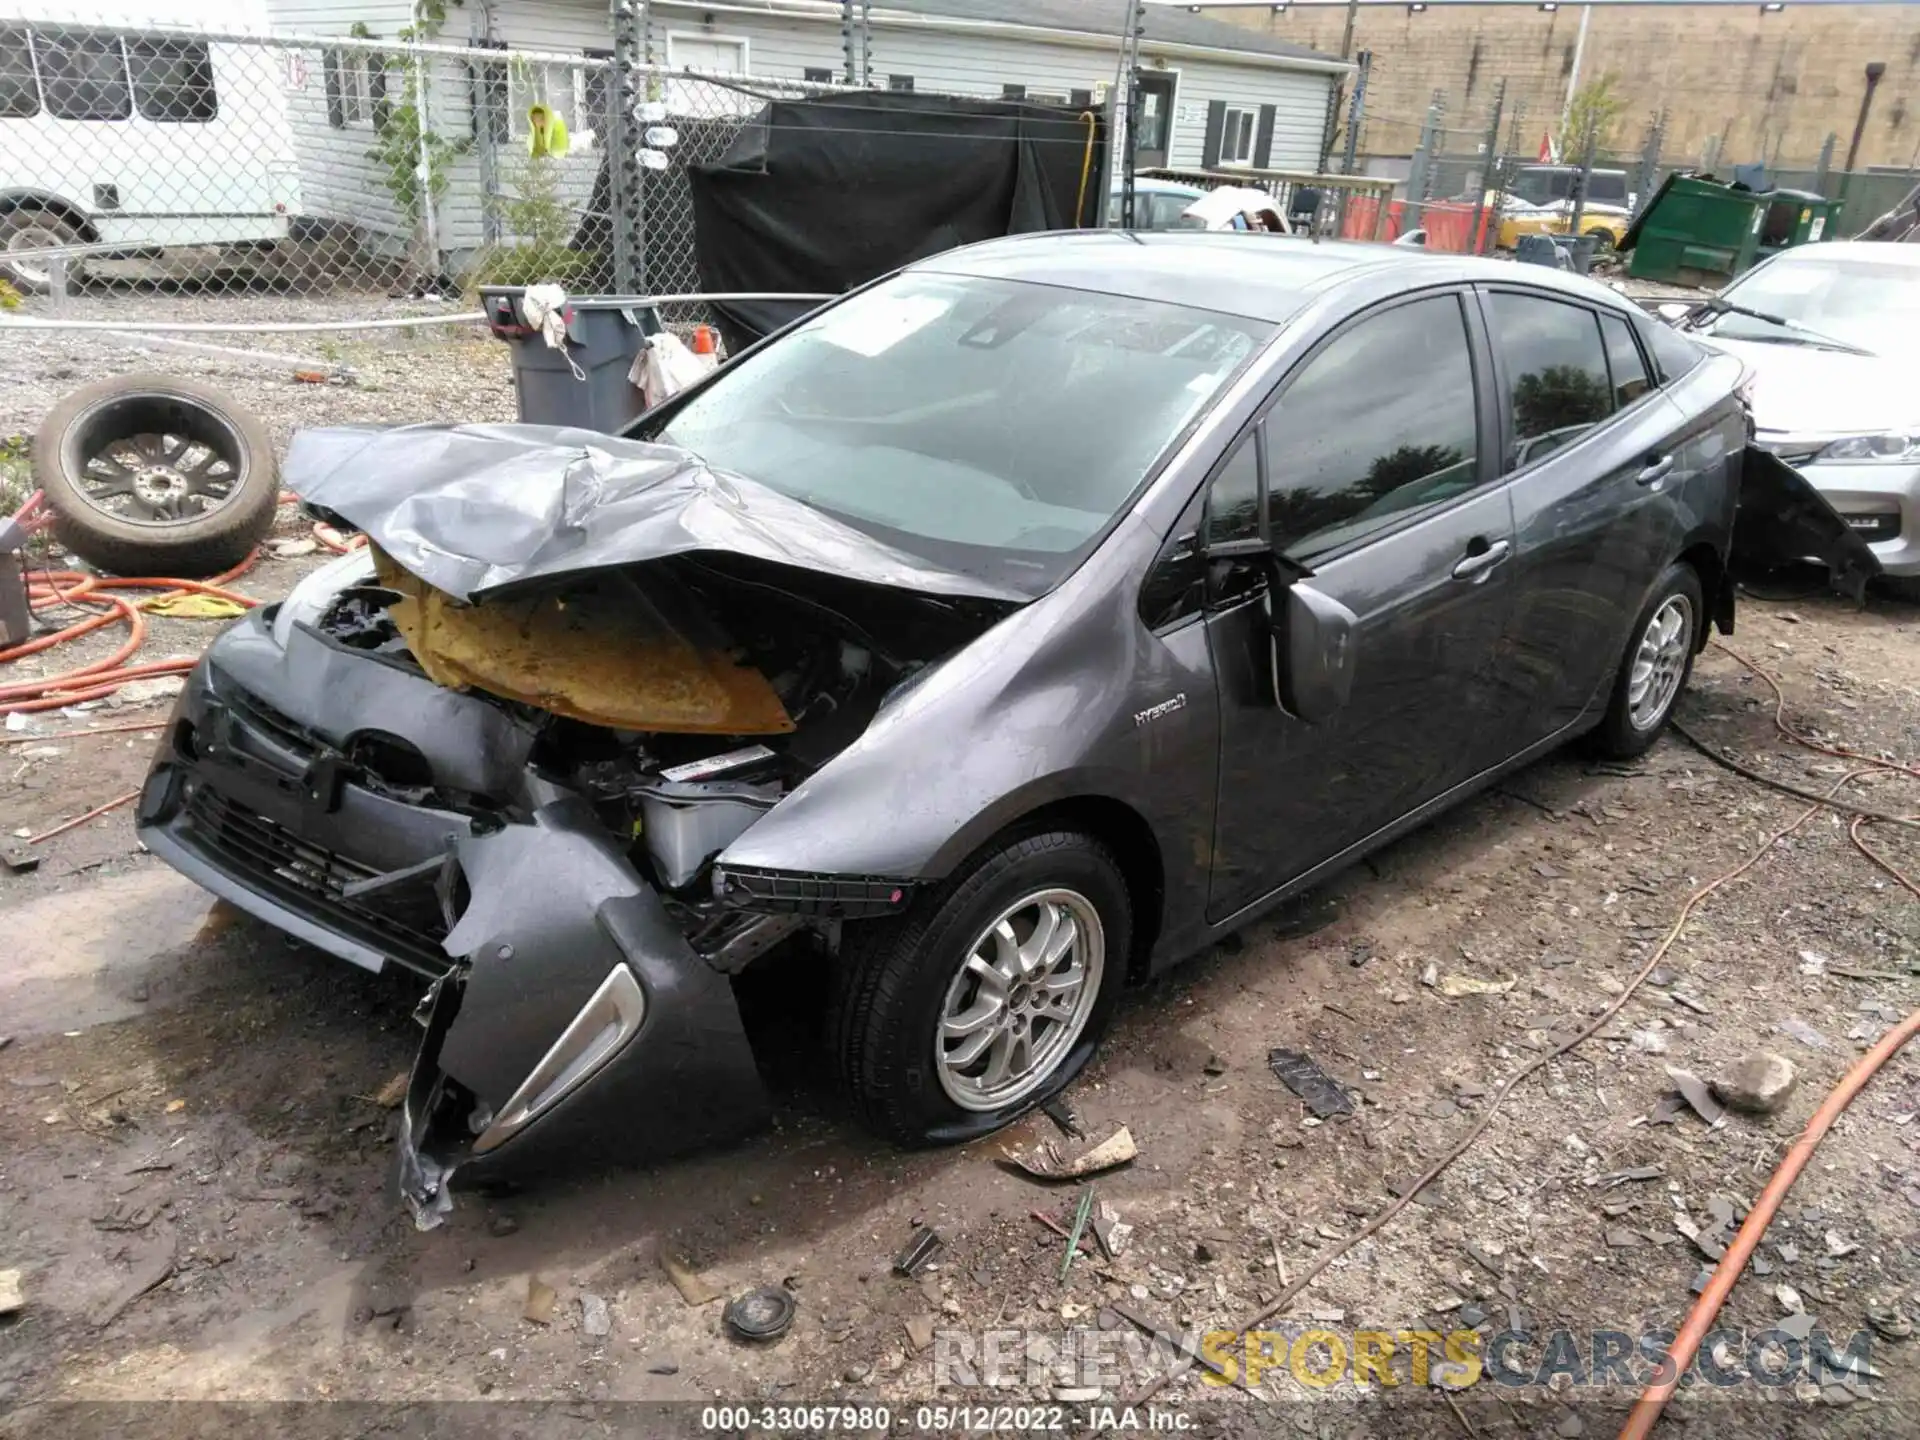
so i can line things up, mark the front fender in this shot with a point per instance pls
(1047, 706)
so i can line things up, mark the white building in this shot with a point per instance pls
(1212, 94)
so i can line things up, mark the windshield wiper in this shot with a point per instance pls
(1720, 305)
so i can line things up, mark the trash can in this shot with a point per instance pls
(1579, 250)
(604, 336)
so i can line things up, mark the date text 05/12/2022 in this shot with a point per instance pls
(984, 1419)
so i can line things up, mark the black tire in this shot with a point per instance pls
(1619, 735)
(894, 977)
(214, 532)
(44, 227)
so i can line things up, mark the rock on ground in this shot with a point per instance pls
(1759, 1084)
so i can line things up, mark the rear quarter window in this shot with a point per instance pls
(1673, 354)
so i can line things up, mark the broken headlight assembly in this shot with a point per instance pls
(309, 599)
(1895, 447)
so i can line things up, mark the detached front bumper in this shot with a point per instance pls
(568, 1020)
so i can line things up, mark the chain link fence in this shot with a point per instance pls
(299, 166)
(340, 166)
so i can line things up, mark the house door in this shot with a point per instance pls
(1155, 121)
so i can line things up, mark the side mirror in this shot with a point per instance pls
(1674, 311)
(1312, 651)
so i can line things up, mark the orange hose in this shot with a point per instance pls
(335, 541)
(1706, 1309)
(99, 678)
(79, 820)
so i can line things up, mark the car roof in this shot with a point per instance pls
(1259, 276)
(1147, 186)
(1851, 252)
(1568, 169)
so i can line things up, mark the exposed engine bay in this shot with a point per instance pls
(682, 701)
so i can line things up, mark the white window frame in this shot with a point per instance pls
(1251, 135)
(571, 105)
(739, 42)
(355, 70)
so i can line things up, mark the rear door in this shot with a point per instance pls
(1590, 445)
(1378, 479)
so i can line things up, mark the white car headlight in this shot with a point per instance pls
(310, 598)
(1893, 448)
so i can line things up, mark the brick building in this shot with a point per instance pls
(1738, 81)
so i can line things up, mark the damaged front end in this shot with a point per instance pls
(579, 1023)
(512, 774)
(1783, 520)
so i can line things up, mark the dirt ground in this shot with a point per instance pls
(195, 1142)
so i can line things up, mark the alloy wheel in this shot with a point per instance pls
(1659, 662)
(1021, 1000)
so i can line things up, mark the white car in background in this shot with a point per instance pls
(1832, 335)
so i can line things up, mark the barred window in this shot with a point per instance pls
(173, 80)
(83, 75)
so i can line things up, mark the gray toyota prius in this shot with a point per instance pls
(1011, 628)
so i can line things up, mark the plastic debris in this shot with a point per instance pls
(1319, 1091)
(1456, 987)
(541, 1298)
(763, 1314)
(1045, 1162)
(919, 1251)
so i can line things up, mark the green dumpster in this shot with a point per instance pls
(1695, 230)
(1797, 217)
(1699, 231)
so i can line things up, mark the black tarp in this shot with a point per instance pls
(823, 195)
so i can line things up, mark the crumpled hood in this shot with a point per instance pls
(473, 509)
(1805, 390)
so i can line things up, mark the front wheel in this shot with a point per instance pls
(989, 997)
(1656, 667)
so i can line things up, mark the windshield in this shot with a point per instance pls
(990, 426)
(1872, 304)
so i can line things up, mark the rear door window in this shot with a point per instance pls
(1608, 187)
(1558, 387)
(19, 96)
(83, 75)
(1379, 424)
(172, 80)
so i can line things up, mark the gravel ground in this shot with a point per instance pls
(452, 373)
(188, 1087)
(193, 1104)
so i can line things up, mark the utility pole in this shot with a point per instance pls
(1573, 74)
(1337, 94)
(1130, 68)
(624, 194)
(1875, 69)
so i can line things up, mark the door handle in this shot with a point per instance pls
(1655, 471)
(1477, 566)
